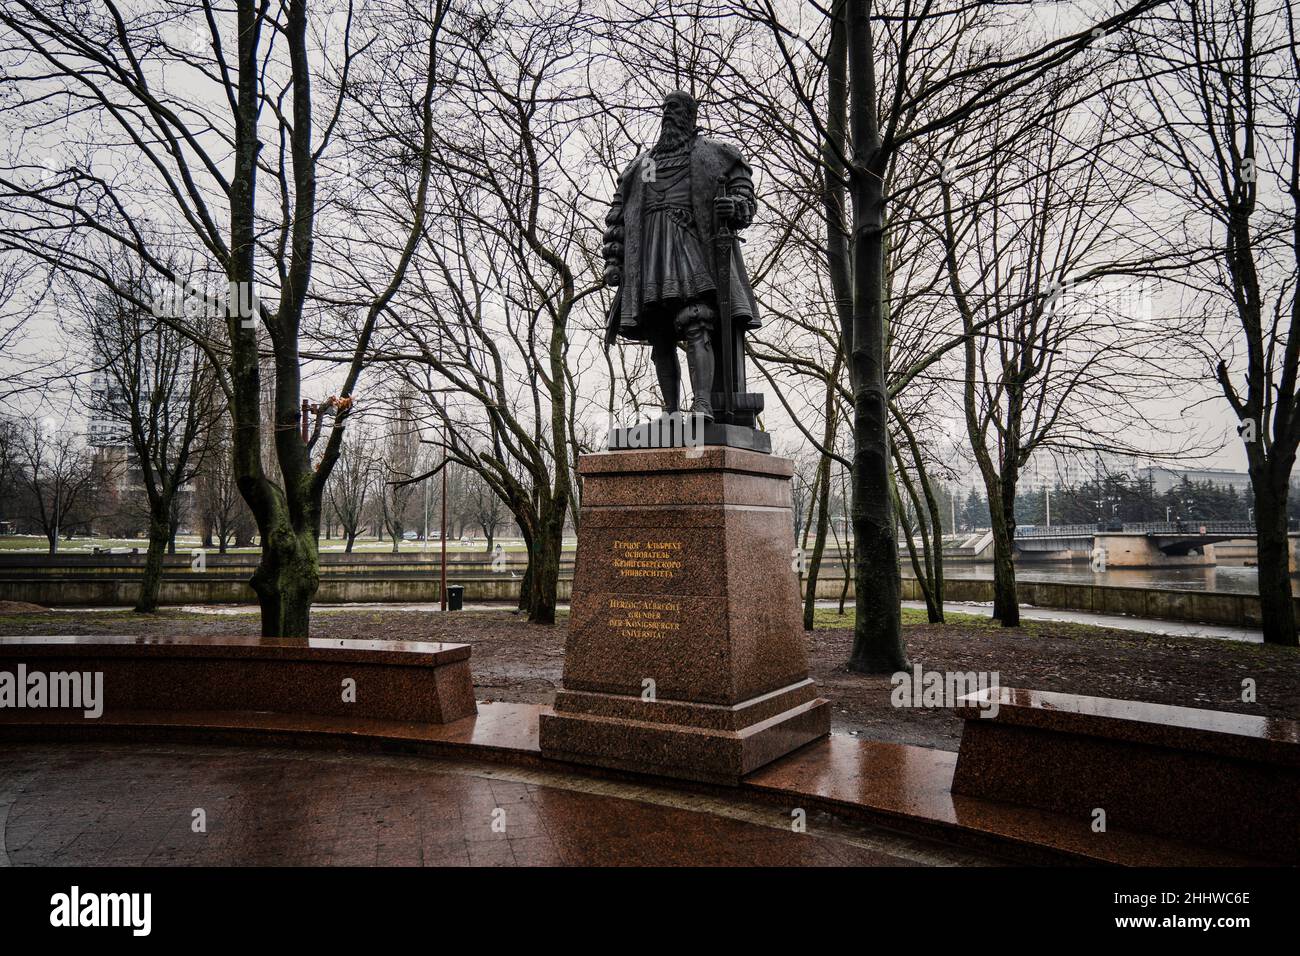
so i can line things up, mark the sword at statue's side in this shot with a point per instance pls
(723, 244)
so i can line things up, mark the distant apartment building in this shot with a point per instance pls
(1070, 471)
(1165, 478)
(108, 434)
(106, 425)
(1073, 471)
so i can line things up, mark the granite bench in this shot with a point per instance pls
(425, 682)
(1202, 776)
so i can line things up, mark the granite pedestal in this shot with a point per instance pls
(685, 655)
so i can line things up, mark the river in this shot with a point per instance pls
(1233, 578)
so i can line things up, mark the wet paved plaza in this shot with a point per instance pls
(111, 804)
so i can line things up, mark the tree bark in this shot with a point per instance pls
(877, 628)
(287, 578)
(545, 568)
(151, 582)
(1006, 606)
(1276, 605)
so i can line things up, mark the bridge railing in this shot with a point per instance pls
(1137, 527)
(1191, 526)
(1057, 531)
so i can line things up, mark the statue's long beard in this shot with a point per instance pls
(671, 138)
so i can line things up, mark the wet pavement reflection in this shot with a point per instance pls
(132, 805)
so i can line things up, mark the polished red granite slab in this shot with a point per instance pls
(495, 730)
(1231, 780)
(1189, 728)
(894, 785)
(394, 680)
(399, 653)
(718, 459)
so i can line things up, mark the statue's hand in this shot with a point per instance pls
(725, 207)
(613, 276)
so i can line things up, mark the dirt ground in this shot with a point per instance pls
(516, 661)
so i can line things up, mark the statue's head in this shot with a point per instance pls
(678, 122)
(680, 109)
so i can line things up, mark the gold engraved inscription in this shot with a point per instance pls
(644, 617)
(647, 559)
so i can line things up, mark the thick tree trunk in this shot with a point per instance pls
(151, 583)
(1277, 609)
(1006, 606)
(846, 560)
(936, 545)
(546, 568)
(173, 523)
(877, 629)
(286, 581)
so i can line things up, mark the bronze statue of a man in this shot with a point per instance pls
(675, 208)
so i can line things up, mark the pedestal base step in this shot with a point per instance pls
(691, 750)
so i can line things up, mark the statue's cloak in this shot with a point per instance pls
(710, 160)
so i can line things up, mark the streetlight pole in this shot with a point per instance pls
(58, 499)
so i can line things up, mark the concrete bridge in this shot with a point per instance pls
(1126, 545)
(1134, 544)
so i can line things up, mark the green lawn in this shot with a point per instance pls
(827, 618)
(186, 543)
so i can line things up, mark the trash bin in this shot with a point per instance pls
(455, 597)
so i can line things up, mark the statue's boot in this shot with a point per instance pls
(699, 362)
(669, 370)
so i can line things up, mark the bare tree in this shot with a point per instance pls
(10, 463)
(1221, 78)
(400, 467)
(59, 477)
(220, 506)
(154, 391)
(501, 277)
(1040, 212)
(909, 71)
(352, 484)
(488, 509)
(205, 107)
